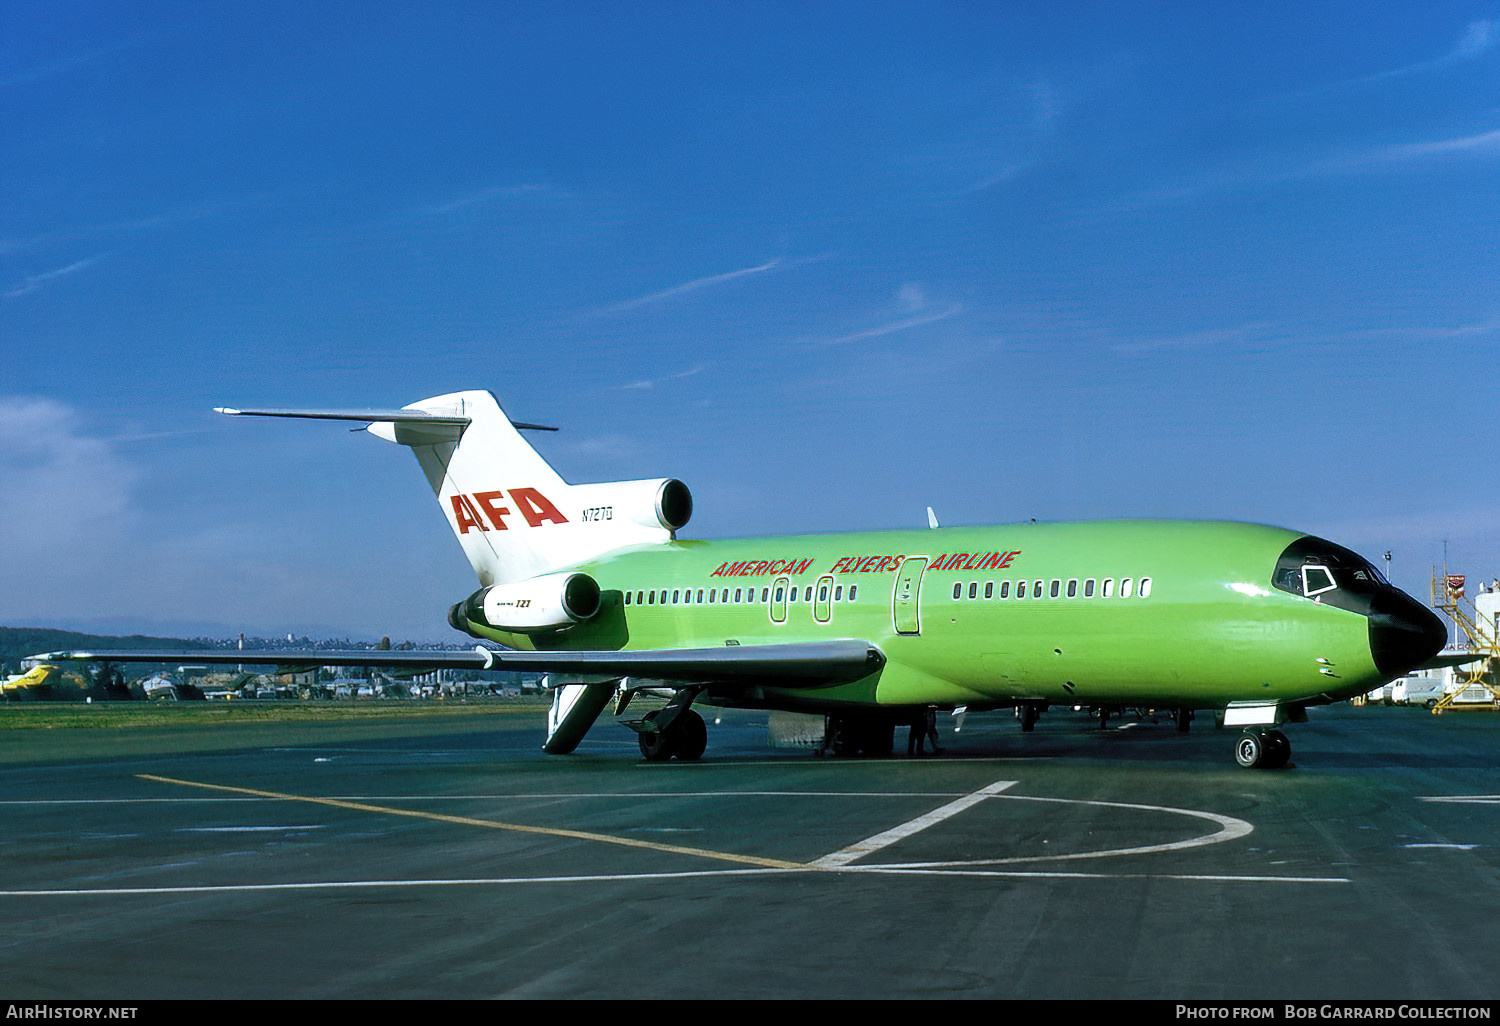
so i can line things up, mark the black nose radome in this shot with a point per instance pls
(1404, 634)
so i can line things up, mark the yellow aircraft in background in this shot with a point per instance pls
(24, 683)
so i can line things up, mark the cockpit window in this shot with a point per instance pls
(1327, 573)
(1316, 580)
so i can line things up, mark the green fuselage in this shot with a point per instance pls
(1131, 613)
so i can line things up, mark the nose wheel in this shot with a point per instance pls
(1262, 749)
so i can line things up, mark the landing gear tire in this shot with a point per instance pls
(685, 738)
(1262, 749)
(691, 736)
(1278, 750)
(656, 745)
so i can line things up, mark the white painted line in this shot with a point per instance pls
(505, 881)
(510, 796)
(886, 838)
(1445, 847)
(1023, 874)
(1229, 829)
(250, 829)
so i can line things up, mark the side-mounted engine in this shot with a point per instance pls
(544, 603)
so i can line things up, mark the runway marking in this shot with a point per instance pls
(1010, 874)
(838, 862)
(886, 838)
(1230, 829)
(489, 824)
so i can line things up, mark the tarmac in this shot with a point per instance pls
(436, 859)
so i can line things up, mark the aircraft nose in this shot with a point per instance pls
(1404, 634)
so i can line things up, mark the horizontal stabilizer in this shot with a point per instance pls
(373, 417)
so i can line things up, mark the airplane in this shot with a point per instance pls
(34, 681)
(591, 584)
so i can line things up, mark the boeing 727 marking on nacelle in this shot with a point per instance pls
(1254, 623)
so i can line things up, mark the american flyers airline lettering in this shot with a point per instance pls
(482, 510)
(754, 569)
(947, 561)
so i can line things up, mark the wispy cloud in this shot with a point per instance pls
(61, 484)
(693, 286)
(41, 72)
(180, 215)
(1267, 335)
(1478, 38)
(483, 197)
(654, 382)
(1482, 143)
(891, 328)
(1237, 337)
(912, 303)
(1258, 172)
(36, 281)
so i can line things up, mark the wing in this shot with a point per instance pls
(802, 665)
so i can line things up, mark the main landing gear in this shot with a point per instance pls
(1262, 749)
(684, 736)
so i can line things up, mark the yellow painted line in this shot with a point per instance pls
(581, 835)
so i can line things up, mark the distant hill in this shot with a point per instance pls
(16, 643)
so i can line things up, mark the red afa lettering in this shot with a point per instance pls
(535, 507)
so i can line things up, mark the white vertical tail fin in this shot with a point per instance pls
(513, 514)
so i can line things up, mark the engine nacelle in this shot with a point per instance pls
(545, 603)
(662, 503)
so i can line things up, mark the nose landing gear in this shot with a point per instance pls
(1262, 749)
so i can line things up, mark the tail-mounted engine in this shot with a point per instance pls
(662, 503)
(545, 603)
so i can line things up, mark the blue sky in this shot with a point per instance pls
(828, 264)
